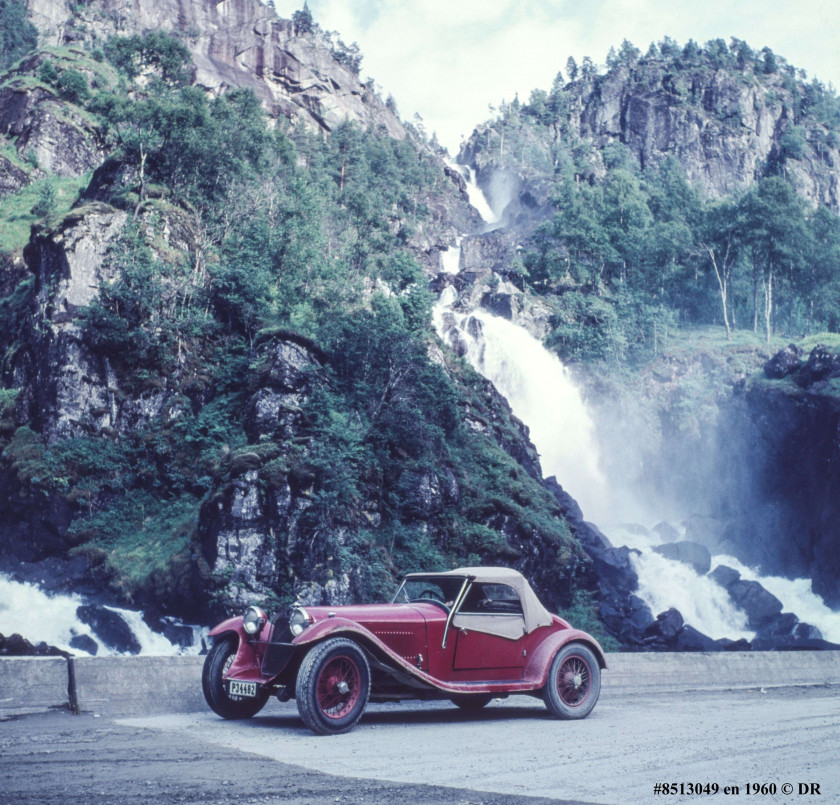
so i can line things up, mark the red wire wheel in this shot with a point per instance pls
(333, 686)
(339, 687)
(574, 682)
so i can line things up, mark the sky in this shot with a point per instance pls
(450, 60)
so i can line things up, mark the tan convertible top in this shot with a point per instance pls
(534, 612)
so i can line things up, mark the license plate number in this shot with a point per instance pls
(237, 688)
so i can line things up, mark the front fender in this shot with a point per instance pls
(230, 626)
(540, 660)
(320, 630)
(246, 663)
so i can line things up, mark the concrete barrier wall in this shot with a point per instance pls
(122, 686)
(641, 673)
(32, 684)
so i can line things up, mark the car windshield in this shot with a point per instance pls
(436, 588)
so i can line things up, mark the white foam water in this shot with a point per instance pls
(476, 195)
(38, 616)
(795, 594)
(450, 260)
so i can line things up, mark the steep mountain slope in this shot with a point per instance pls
(296, 73)
(728, 115)
(219, 380)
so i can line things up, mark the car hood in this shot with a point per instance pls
(368, 614)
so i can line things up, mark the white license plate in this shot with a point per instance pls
(237, 688)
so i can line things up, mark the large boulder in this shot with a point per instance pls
(823, 364)
(667, 625)
(689, 553)
(761, 606)
(110, 627)
(785, 362)
(725, 576)
(690, 639)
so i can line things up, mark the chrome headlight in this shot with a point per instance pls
(253, 620)
(298, 621)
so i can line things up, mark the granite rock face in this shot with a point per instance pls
(722, 128)
(235, 43)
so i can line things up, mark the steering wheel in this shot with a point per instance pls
(430, 596)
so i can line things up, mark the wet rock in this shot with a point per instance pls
(505, 305)
(785, 362)
(84, 642)
(109, 627)
(18, 646)
(761, 606)
(804, 631)
(689, 553)
(725, 576)
(640, 617)
(666, 532)
(175, 632)
(823, 364)
(613, 566)
(667, 625)
(781, 626)
(742, 644)
(690, 639)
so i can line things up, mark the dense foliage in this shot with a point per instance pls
(17, 35)
(238, 230)
(633, 251)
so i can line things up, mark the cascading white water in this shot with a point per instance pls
(542, 394)
(450, 260)
(27, 610)
(476, 196)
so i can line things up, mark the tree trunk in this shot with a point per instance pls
(768, 305)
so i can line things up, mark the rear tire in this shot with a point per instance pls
(333, 686)
(216, 663)
(574, 682)
(471, 702)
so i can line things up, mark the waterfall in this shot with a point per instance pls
(542, 394)
(27, 610)
(477, 198)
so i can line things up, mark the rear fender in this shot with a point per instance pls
(540, 660)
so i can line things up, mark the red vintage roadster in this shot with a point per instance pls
(469, 635)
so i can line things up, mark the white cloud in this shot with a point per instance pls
(449, 59)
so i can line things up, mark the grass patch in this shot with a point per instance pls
(16, 216)
(144, 542)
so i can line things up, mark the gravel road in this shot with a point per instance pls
(511, 753)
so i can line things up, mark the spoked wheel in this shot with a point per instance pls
(574, 682)
(216, 665)
(333, 686)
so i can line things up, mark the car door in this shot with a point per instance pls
(490, 630)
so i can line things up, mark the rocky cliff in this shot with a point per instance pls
(728, 120)
(783, 425)
(235, 43)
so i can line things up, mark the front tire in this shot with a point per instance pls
(216, 664)
(574, 682)
(333, 686)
